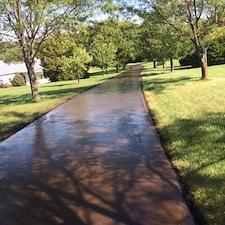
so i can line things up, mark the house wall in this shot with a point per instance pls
(8, 71)
(40, 78)
(6, 79)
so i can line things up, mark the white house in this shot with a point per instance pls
(8, 71)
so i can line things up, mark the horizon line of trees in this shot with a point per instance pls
(68, 44)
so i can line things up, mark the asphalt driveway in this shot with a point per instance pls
(93, 160)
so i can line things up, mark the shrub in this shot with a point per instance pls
(216, 55)
(191, 59)
(18, 80)
(216, 52)
(86, 75)
(63, 59)
(3, 85)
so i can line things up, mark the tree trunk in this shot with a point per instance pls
(171, 65)
(117, 69)
(204, 63)
(163, 64)
(154, 64)
(124, 66)
(33, 80)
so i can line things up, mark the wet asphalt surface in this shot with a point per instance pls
(95, 160)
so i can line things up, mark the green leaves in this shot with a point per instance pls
(103, 51)
(63, 58)
(115, 43)
(10, 52)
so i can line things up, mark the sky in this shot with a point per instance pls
(98, 15)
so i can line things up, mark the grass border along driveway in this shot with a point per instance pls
(190, 117)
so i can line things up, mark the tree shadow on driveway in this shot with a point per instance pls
(98, 175)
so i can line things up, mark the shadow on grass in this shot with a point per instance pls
(15, 99)
(156, 73)
(159, 71)
(158, 85)
(183, 67)
(107, 72)
(53, 84)
(19, 121)
(198, 146)
(45, 94)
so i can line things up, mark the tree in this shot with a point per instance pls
(10, 52)
(166, 43)
(63, 58)
(103, 47)
(149, 46)
(104, 53)
(216, 54)
(115, 43)
(75, 62)
(127, 42)
(204, 19)
(30, 22)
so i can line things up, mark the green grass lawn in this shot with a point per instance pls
(190, 115)
(16, 108)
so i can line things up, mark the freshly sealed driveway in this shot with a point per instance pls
(94, 160)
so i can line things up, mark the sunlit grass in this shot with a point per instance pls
(190, 115)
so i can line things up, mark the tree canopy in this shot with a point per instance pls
(202, 21)
(30, 22)
(75, 39)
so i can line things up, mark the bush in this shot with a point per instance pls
(65, 76)
(216, 52)
(18, 80)
(216, 55)
(62, 76)
(3, 85)
(190, 60)
(52, 75)
(86, 75)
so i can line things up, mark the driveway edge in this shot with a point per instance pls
(197, 217)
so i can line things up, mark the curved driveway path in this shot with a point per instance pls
(95, 160)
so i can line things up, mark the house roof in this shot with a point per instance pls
(12, 68)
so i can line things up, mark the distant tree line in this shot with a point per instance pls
(68, 53)
(68, 56)
(215, 53)
(68, 43)
(173, 27)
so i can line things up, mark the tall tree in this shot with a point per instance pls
(104, 44)
(165, 42)
(64, 58)
(149, 45)
(120, 36)
(30, 22)
(127, 42)
(10, 52)
(205, 21)
(103, 51)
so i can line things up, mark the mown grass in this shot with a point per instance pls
(16, 108)
(190, 115)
